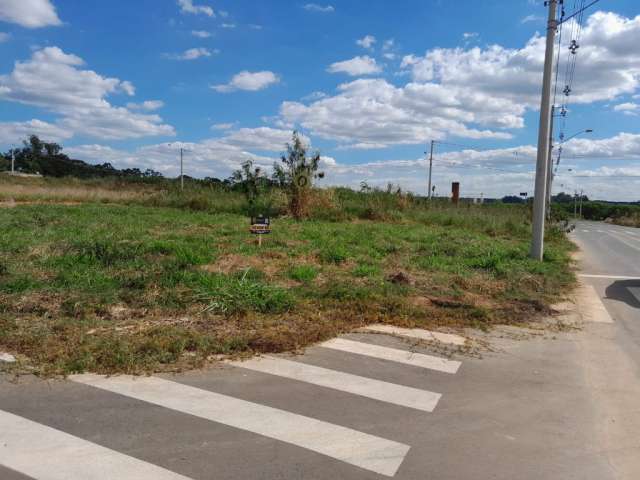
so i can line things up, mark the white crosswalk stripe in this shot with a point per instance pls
(350, 446)
(418, 333)
(366, 387)
(393, 355)
(44, 453)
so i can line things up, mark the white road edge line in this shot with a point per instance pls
(366, 387)
(350, 446)
(418, 333)
(611, 277)
(591, 307)
(44, 453)
(393, 355)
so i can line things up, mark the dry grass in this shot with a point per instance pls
(41, 190)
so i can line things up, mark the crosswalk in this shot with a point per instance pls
(23, 442)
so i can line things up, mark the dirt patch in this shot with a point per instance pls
(232, 263)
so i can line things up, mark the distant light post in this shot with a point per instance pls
(181, 165)
(551, 173)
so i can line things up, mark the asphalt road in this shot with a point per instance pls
(555, 405)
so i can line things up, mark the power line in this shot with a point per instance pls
(581, 11)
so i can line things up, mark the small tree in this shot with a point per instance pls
(254, 185)
(296, 173)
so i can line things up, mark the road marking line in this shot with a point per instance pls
(345, 382)
(45, 453)
(418, 333)
(620, 239)
(611, 277)
(393, 355)
(591, 307)
(350, 446)
(585, 231)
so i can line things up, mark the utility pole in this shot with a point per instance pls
(181, 170)
(575, 205)
(13, 161)
(537, 241)
(581, 197)
(550, 164)
(430, 167)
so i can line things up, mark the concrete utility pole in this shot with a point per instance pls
(575, 205)
(431, 167)
(537, 241)
(13, 161)
(581, 197)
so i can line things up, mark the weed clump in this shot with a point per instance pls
(228, 295)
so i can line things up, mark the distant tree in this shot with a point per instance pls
(254, 184)
(296, 173)
(512, 199)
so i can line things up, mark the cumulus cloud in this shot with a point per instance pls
(29, 13)
(314, 7)
(606, 67)
(193, 54)
(362, 65)
(200, 33)
(187, 6)
(469, 92)
(367, 41)
(13, 132)
(628, 108)
(250, 81)
(56, 81)
(148, 105)
(372, 113)
(262, 138)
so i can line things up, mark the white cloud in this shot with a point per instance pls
(470, 92)
(29, 13)
(222, 126)
(13, 132)
(193, 54)
(362, 65)
(532, 18)
(314, 96)
(148, 105)
(470, 35)
(627, 108)
(187, 6)
(367, 41)
(368, 113)
(314, 7)
(251, 81)
(4, 37)
(223, 13)
(606, 66)
(262, 138)
(201, 33)
(254, 26)
(56, 81)
(228, 25)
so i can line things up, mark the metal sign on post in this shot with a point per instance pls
(260, 225)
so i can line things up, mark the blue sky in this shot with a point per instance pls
(369, 83)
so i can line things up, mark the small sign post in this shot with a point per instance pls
(260, 226)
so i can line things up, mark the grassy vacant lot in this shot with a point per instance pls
(130, 286)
